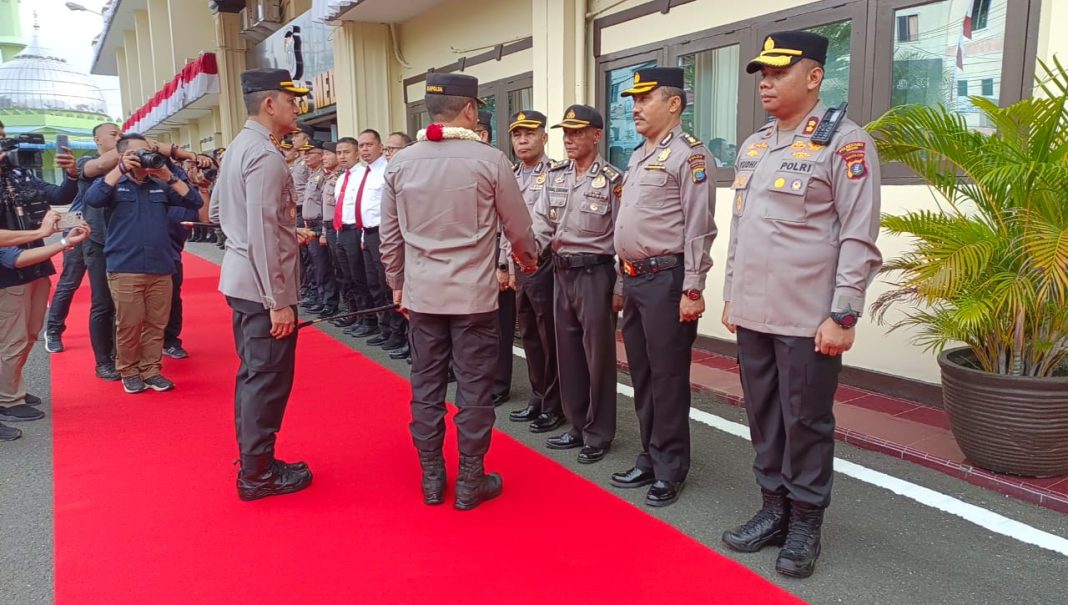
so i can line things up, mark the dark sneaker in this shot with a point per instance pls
(33, 400)
(9, 433)
(53, 343)
(158, 383)
(175, 352)
(107, 371)
(20, 413)
(133, 384)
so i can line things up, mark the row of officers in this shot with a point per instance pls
(585, 240)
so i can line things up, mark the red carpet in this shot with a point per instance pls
(146, 510)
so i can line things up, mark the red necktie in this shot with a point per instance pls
(359, 197)
(340, 207)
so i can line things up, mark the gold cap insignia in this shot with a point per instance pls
(521, 117)
(637, 77)
(570, 115)
(769, 44)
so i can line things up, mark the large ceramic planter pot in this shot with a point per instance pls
(1007, 424)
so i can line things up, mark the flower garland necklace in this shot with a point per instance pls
(440, 132)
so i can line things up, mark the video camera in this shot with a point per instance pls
(24, 151)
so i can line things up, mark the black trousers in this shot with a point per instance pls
(173, 331)
(69, 282)
(264, 379)
(350, 257)
(658, 352)
(537, 330)
(502, 378)
(346, 300)
(392, 323)
(102, 309)
(470, 343)
(586, 350)
(789, 396)
(323, 267)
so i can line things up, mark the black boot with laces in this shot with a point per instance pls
(797, 558)
(766, 527)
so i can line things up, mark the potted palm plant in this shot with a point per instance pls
(989, 270)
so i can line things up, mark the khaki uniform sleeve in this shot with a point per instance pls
(512, 210)
(698, 210)
(857, 202)
(544, 229)
(728, 268)
(392, 241)
(264, 180)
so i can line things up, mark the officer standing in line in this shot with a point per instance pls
(312, 215)
(534, 291)
(506, 298)
(256, 208)
(444, 199)
(664, 230)
(802, 254)
(575, 216)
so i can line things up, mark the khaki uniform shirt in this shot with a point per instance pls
(312, 208)
(531, 182)
(255, 208)
(805, 220)
(299, 171)
(329, 184)
(441, 207)
(668, 205)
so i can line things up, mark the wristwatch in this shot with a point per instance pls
(845, 319)
(172, 180)
(693, 294)
(501, 266)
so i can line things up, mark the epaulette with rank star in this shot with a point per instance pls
(559, 164)
(691, 140)
(610, 172)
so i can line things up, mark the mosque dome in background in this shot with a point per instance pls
(36, 79)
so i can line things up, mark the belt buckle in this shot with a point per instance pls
(630, 269)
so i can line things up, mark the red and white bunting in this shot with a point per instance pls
(198, 78)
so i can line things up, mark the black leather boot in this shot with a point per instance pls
(797, 558)
(263, 476)
(768, 526)
(433, 464)
(474, 486)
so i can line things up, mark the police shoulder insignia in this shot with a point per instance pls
(698, 173)
(557, 165)
(810, 125)
(691, 140)
(610, 172)
(618, 191)
(853, 156)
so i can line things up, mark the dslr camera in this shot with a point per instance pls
(149, 159)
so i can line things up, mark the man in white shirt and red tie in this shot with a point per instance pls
(351, 191)
(393, 329)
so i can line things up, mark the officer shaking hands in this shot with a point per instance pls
(664, 230)
(802, 253)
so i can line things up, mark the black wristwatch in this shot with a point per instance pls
(502, 266)
(845, 319)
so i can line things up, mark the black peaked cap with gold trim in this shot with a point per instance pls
(783, 49)
(652, 78)
(528, 119)
(266, 78)
(581, 116)
(455, 85)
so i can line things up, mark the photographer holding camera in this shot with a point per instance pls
(25, 220)
(140, 263)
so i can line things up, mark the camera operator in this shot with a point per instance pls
(102, 310)
(25, 220)
(140, 261)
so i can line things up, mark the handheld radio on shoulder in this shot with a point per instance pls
(829, 124)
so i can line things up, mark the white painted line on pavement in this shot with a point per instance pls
(977, 515)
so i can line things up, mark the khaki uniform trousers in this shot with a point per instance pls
(22, 315)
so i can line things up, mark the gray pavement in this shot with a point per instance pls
(879, 547)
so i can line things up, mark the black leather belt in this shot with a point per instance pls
(580, 261)
(656, 264)
(370, 230)
(347, 227)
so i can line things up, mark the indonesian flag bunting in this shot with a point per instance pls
(965, 32)
(198, 78)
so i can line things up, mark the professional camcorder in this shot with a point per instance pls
(24, 151)
(149, 159)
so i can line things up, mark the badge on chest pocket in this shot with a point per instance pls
(786, 198)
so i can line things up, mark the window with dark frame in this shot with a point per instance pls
(988, 87)
(980, 14)
(962, 88)
(908, 28)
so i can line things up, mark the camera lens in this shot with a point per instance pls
(210, 173)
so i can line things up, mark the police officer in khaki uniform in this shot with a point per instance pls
(261, 277)
(802, 254)
(574, 217)
(443, 201)
(664, 230)
(312, 214)
(534, 291)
